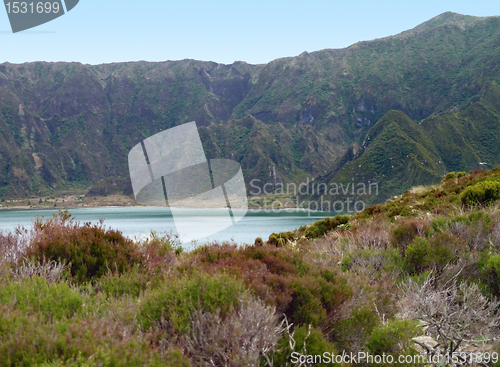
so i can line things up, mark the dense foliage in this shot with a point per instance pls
(341, 285)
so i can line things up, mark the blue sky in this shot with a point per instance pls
(100, 31)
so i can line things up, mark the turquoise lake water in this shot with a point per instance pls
(138, 222)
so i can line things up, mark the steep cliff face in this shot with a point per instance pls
(65, 125)
(399, 153)
(68, 125)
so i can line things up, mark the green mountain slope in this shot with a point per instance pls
(67, 126)
(438, 65)
(395, 154)
(399, 153)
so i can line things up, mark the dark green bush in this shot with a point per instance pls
(90, 250)
(491, 274)
(481, 193)
(351, 333)
(306, 307)
(317, 296)
(450, 175)
(258, 242)
(417, 255)
(324, 225)
(273, 239)
(401, 210)
(444, 249)
(372, 210)
(422, 255)
(280, 239)
(405, 232)
(338, 220)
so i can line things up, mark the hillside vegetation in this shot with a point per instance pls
(415, 275)
(398, 152)
(69, 127)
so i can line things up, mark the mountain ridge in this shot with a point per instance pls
(69, 126)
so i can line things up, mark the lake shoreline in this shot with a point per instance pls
(138, 222)
(76, 201)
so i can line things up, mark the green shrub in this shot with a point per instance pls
(394, 338)
(401, 210)
(439, 225)
(131, 283)
(282, 278)
(28, 339)
(338, 220)
(461, 174)
(422, 255)
(443, 249)
(90, 250)
(481, 193)
(431, 203)
(352, 333)
(307, 307)
(258, 241)
(273, 239)
(280, 239)
(491, 274)
(308, 341)
(315, 296)
(480, 219)
(417, 255)
(496, 349)
(405, 232)
(170, 306)
(450, 175)
(372, 210)
(54, 301)
(324, 225)
(316, 230)
(171, 358)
